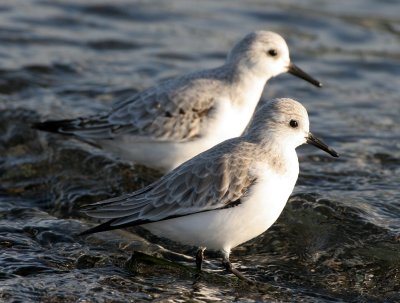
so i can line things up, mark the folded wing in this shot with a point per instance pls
(212, 180)
(173, 111)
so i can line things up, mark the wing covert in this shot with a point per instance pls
(207, 182)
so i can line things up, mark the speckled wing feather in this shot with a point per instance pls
(212, 180)
(175, 110)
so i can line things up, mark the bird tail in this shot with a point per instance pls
(106, 226)
(65, 127)
(99, 228)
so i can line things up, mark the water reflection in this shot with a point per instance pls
(336, 241)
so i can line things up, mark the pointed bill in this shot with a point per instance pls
(311, 139)
(298, 72)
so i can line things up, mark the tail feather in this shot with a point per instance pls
(106, 226)
(55, 126)
(85, 128)
(99, 228)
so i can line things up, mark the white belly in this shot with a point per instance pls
(226, 228)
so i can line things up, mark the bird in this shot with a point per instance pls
(226, 195)
(163, 126)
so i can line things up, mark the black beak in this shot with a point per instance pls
(321, 145)
(296, 71)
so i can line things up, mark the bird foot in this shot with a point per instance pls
(229, 267)
(200, 258)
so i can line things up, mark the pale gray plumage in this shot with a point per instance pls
(174, 110)
(225, 195)
(167, 124)
(213, 179)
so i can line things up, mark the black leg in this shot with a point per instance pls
(200, 258)
(229, 267)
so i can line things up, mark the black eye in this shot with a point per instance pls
(293, 123)
(272, 52)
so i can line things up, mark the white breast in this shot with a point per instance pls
(268, 198)
(233, 116)
(230, 123)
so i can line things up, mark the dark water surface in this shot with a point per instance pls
(338, 239)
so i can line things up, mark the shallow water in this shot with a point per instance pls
(338, 239)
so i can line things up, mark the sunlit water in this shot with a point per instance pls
(338, 239)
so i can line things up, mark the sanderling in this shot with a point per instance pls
(226, 195)
(166, 125)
